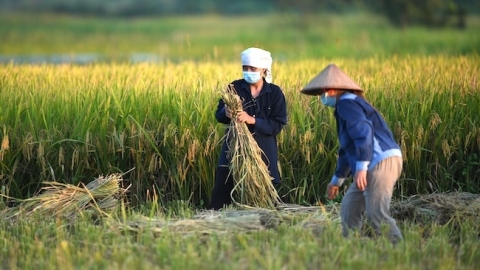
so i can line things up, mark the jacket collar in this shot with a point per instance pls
(265, 87)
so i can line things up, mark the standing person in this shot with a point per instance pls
(367, 151)
(265, 114)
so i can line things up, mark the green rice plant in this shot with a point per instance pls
(75, 122)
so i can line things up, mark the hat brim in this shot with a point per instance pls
(320, 91)
(313, 91)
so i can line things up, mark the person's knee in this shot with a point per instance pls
(379, 212)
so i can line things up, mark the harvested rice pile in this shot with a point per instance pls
(438, 208)
(312, 218)
(68, 201)
(252, 181)
(425, 209)
(240, 223)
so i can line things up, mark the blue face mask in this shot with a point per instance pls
(328, 101)
(251, 77)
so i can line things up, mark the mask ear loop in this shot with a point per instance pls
(268, 75)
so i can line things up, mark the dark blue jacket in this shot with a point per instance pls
(270, 112)
(365, 138)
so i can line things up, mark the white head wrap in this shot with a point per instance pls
(258, 58)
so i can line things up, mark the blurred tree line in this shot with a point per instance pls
(401, 13)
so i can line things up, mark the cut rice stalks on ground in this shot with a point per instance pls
(438, 208)
(158, 226)
(69, 201)
(442, 209)
(253, 187)
(229, 221)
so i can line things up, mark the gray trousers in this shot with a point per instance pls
(374, 200)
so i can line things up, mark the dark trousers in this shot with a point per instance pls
(222, 188)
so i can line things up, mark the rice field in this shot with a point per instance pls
(153, 122)
(72, 123)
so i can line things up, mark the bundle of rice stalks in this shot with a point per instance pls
(438, 208)
(252, 181)
(68, 201)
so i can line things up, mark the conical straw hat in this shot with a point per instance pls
(331, 77)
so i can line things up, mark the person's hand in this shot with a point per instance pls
(245, 117)
(361, 179)
(228, 113)
(332, 191)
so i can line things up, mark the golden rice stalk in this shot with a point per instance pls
(252, 181)
(5, 143)
(68, 201)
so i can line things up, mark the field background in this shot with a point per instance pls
(83, 96)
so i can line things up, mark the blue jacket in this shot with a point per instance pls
(365, 138)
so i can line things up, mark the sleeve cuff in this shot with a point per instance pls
(337, 181)
(362, 165)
